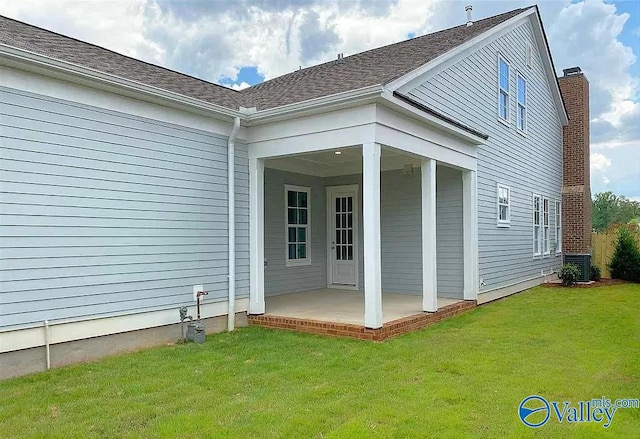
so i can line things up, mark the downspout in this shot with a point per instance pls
(231, 316)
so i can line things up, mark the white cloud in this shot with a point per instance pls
(240, 86)
(599, 162)
(114, 25)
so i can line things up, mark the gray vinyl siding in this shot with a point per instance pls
(467, 92)
(104, 213)
(278, 278)
(401, 232)
(449, 232)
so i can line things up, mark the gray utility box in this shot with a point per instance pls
(195, 332)
(583, 262)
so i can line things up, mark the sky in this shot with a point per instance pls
(238, 43)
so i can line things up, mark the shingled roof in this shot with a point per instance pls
(373, 67)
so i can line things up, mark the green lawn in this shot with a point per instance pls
(462, 378)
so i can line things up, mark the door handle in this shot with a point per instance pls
(333, 246)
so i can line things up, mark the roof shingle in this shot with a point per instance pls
(374, 67)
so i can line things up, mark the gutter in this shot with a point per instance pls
(439, 115)
(231, 175)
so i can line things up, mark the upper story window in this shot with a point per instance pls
(503, 89)
(521, 121)
(537, 225)
(558, 227)
(297, 213)
(504, 206)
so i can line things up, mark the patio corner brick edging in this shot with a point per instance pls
(337, 329)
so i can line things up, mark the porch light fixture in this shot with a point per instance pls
(337, 152)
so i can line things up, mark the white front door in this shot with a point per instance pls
(343, 248)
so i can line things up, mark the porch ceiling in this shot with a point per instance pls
(340, 161)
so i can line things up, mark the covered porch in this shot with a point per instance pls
(361, 233)
(344, 306)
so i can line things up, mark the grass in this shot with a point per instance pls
(464, 377)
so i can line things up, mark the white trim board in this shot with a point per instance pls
(61, 332)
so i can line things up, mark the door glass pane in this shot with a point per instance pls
(302, 199)
(350, 216)
(338, 220)
(302, 234)
(344, 204)
(302, 251)
(292, 234)
(337, 236)
(344, 252)
(344, 237)
(350, 237)
(337, 204)
(344, 220)
(338, 254)
(350, 254)
(350, 204)
(292, 216)
(292, 251)
(302, 216)
(292, 198)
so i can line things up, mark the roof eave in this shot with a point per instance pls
(317, 105)
(433, 118)
(29, 61)
(538, 29)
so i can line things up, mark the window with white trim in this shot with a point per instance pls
(537, 225)
(504, 206)
(521, 117)
(558, 227)
(503, 89)
(546, 233)
(298, 236)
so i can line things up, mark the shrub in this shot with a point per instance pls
(569, 274)
(625, 262)
(595, 273)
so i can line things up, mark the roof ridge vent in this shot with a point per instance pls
(468, 10)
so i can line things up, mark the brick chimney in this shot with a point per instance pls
(576, 190)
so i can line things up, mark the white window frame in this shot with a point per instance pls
(522, 105)
(558, 218)
(501, 90)
(537, 228)
(503, 222)
(546, 229)
(297, 262)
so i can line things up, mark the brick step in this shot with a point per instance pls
(337, 329)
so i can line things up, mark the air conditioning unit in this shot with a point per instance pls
(583, 262)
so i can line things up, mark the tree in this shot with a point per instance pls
(625, 262)
(608, 208)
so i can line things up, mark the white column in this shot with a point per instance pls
(371, 220)
(470, 233)
(429, 254)
(256, 234)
